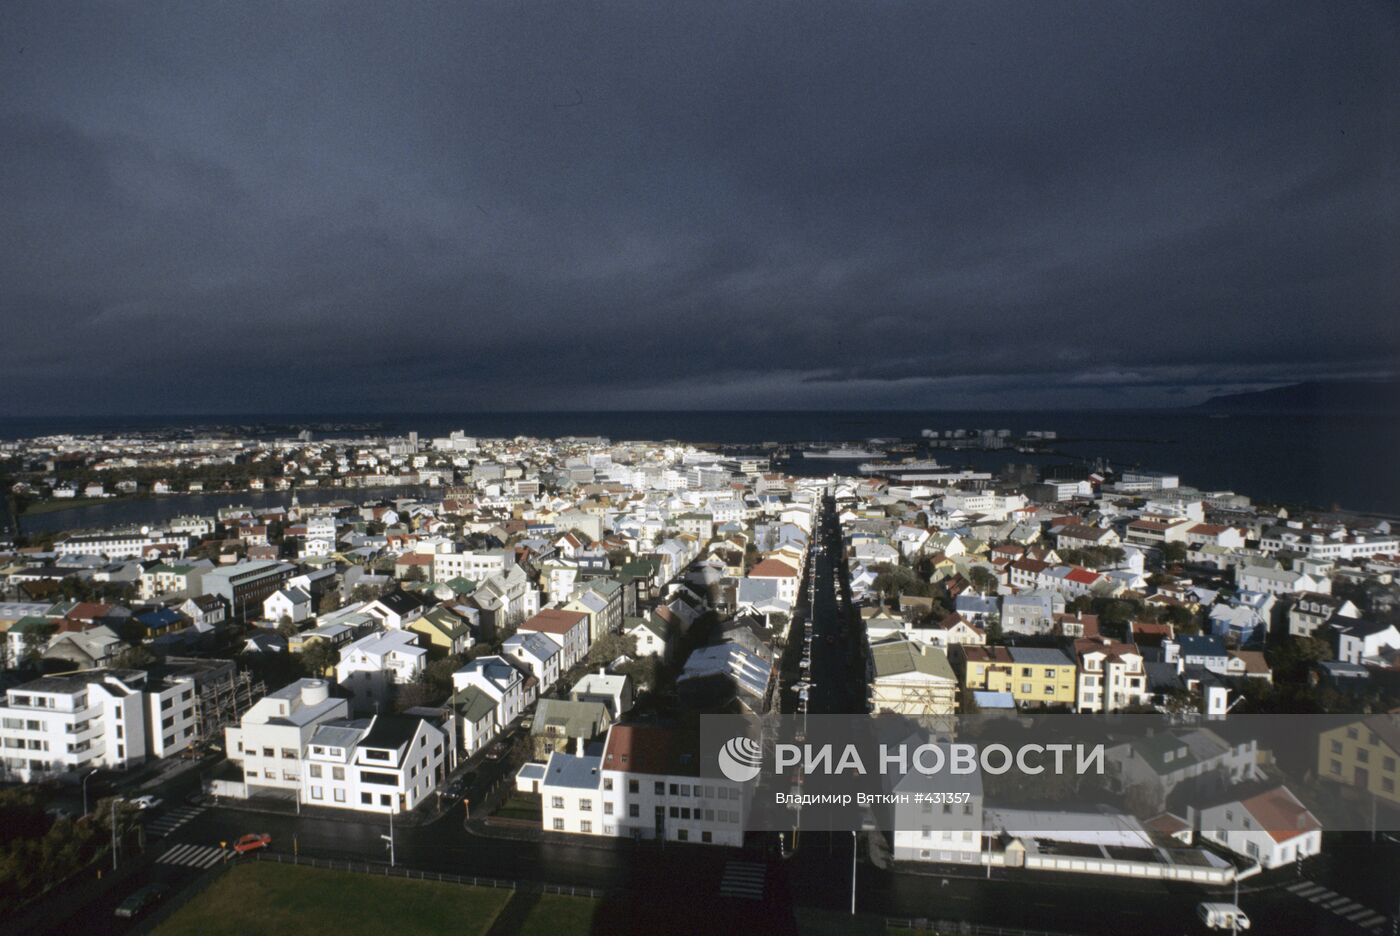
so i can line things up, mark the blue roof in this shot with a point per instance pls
(994, 700)
(1201, 645)
(572, 771)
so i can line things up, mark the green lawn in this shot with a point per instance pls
(554, 915)
(520, 806)
(264, 897)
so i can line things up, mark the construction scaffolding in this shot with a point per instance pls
(223, 700)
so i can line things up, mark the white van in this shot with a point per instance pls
(1222, 916)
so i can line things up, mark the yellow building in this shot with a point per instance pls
(1364, 754)
(1034, 676)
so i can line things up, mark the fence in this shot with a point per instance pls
(383, 870)
(964, 928)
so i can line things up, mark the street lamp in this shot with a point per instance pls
(85, 780)
(855, 847)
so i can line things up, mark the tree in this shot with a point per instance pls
(982, 580)
(286, 626)
(1174, 553)
(609, 647)
(138, 657)
(318, 656)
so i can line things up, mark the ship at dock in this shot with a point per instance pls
(842, 453)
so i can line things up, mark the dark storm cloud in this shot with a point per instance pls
(414, 206)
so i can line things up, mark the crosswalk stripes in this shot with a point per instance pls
(1344, 907)
(163, 825)
(194, 856)
(743, 879)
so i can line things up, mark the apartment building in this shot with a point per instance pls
(1111, 675)
(266, 746)
(77, 721)
(246, 585)
(384, 764)
(645, 785)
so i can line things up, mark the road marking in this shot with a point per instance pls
(169, 822)
(194, 856)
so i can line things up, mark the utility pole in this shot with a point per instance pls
(855, 847)
(114, 833)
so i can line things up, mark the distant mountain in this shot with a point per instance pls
(1314, 396)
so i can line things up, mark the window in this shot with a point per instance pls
(315, 770)
(585, 826)
(633, 810)
(337, 773)
(315, 792)
(1388, 784)
(339, 795)
(585, 805)
(633, 786)
(1363, 756)
(1389, 764)
(683, 835)
(660, 788)
(685, 812)
(706, 837)
(607, 784)
(675, 789)
(675, 812)
(267, 752)
(558, 825)
(607, 809)
(557, 802)
(1336, 747)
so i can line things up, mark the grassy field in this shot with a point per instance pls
(554, 915)
(262, 897)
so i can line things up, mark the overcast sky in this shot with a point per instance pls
(342, 207)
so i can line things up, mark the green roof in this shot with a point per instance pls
(472, 704)
(896, 657)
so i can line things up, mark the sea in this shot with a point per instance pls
(1343, 461)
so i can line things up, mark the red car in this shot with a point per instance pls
(252, 842)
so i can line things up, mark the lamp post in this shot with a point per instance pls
(86, 778)
(855, 847)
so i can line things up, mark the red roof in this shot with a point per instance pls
(651, 749)
(1082, 576)
(554, 621)
(1280, 814)
(772, 568)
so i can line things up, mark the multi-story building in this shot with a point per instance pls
(909, 678)
(78, 721)
(645, 785)
(473, 566)
(568, 629)
(1364, 755)
(384, 764)
(1111, 675)
(1034, 676)
(245, 585)
(266, 746)
(372, 666)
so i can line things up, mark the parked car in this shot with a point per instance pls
(146, 802)
(252, 842)
(456, 788)
(496, 751)
(141, 900)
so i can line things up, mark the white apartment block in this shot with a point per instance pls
(645, 785)
(267, 745)
(1111, 675)
(56, 724)
(473, 566)
(385, 764)
(370, 667)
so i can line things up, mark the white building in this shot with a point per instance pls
(370, 667)
(473, 566)
(55, 724)
(384, 764)
(1111, 675)
(536, 652)
(291, 603)
(266, 746)
(568, 629)
(645, 785)
(1272, 828)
